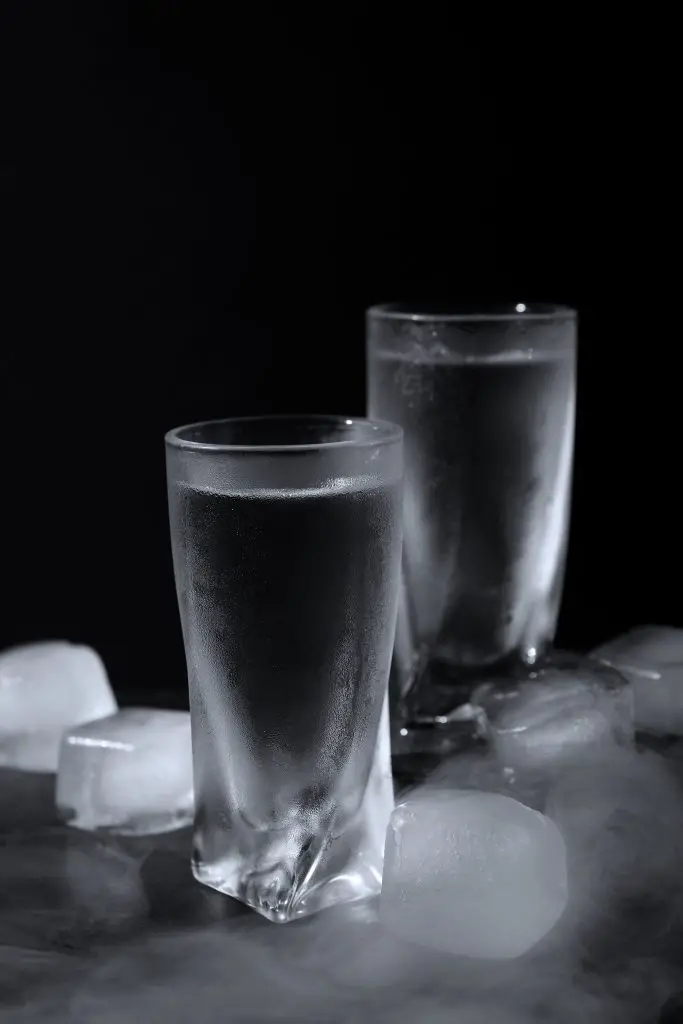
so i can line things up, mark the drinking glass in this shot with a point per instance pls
(286, 538)
(486, 401)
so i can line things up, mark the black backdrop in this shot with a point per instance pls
(195, 215)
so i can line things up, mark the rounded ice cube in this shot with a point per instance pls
(46, 688)
(652, 658)
(470, 873)
(568, 708)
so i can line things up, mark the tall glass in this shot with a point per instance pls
(486, 401)
(286, 537)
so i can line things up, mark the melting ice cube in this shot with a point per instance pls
(46, 688)
(476, 874)
(562, 713)
(129, 773)
(652, 658)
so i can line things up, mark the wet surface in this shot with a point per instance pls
(106, 929)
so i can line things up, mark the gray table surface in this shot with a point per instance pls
(102, 930)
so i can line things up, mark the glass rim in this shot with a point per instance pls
(379, 432)
(460, 313)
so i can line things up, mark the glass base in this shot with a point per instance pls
(312, 864)
(435, 715)
(437, 737)
(533, 719)
(273, 893)
(290, 874)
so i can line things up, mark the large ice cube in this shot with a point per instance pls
(129, 773)
(46, 688)
(476, 874)
(561, 713)
(652, 658)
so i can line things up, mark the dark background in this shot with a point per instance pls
(195, 214)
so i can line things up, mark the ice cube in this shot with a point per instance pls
(129, 773)
(652, 658)
(559, 714)
(46, 688)
(476, 874)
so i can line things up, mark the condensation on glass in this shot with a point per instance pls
(286, 536)
(486, 400)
